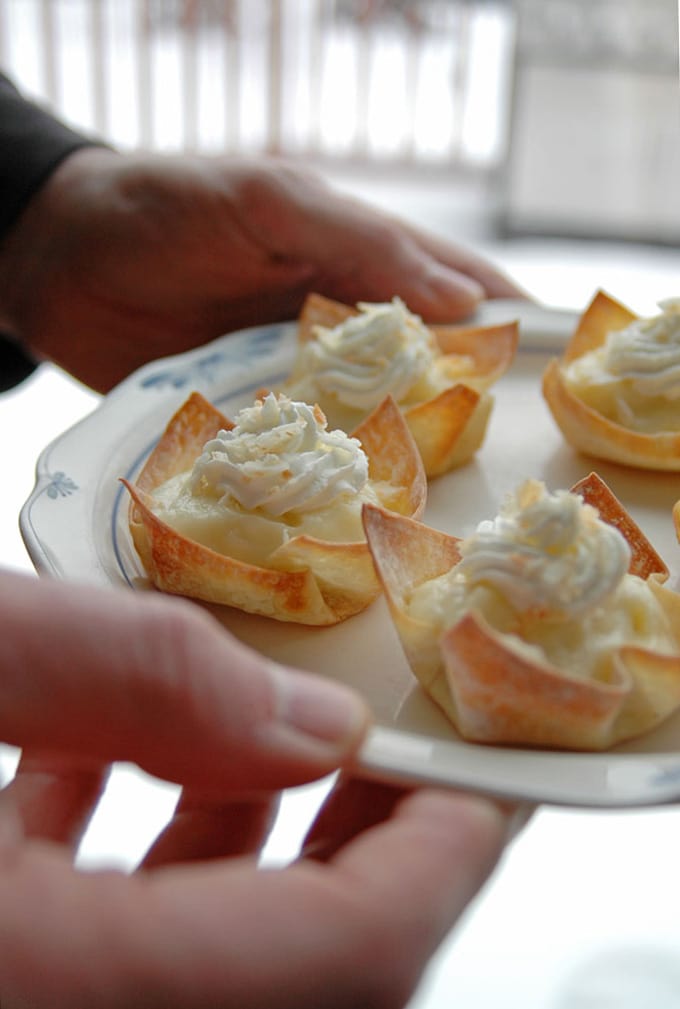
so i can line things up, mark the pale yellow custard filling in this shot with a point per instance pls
(384, 350)
(550, 577)
(633, 379)
(253, 536)
(632, 615)
(277, 474)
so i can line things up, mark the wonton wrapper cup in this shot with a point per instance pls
(586, 429)
(449, 428)
(321, 582)
(494, 695)
(676, 519)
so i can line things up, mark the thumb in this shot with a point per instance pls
(114, 675)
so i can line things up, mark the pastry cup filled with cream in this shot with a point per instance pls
(549, 626)
(263, 512)
(349, 359)
(615, 393)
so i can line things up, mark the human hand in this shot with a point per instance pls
(88, 677)
(121, 259)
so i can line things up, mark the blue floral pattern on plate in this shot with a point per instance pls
(60, 485)
(208, 367)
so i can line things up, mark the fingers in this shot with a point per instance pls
(11, 832)
(53, 798)
(375, 257)
(350, 807)
(359, 252)
(453, 257)
(158, 682)
(357, 931)
(202, 830)
(439, 847)
(401, 267)
(437, 278)
(379, 833)
(421, 869)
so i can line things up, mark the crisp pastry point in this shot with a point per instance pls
(495, 693)
(644, 560)
(313, 581)
(449, 428)
(585, 428)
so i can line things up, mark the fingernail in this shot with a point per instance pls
(449, 288)
(321, 708)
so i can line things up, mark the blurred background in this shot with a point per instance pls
(496, 121)
(543, 133)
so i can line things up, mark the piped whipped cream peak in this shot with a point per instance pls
(548, 555)
(648, 352)
(383, 350)
(279, 457)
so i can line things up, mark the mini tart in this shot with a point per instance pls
(449, 428)
(676, 519)
(494, 694)
(585, 428)
(315, 581)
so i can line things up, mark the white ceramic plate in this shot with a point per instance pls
(74, 526)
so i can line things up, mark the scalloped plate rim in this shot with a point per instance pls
(391, 754)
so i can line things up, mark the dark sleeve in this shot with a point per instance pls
(15, 363)
(32, 143)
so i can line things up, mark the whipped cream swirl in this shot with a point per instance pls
(383, 350)
(548, 555)
(648, 352)
(279, 457)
